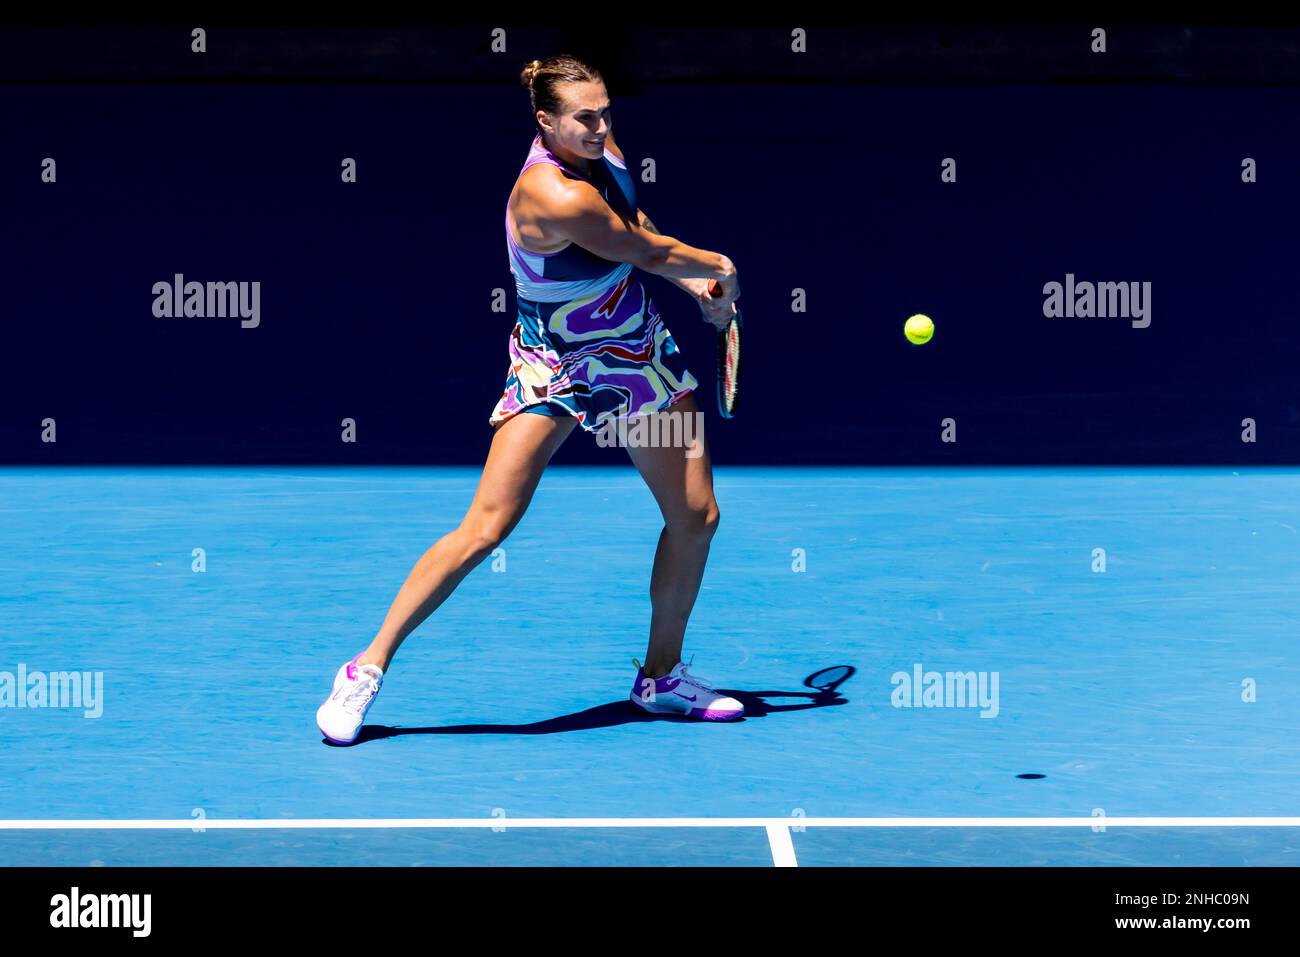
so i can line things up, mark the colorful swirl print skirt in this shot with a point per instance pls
(596, 357)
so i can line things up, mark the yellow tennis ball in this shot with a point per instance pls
(918, 329)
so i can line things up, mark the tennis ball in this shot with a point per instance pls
(918, 329)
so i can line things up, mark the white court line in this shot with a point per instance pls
(778, 838)
(209, 823)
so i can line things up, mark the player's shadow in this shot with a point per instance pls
(824, 693)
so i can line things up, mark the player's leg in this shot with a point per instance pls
(521, 448)
(682, 484)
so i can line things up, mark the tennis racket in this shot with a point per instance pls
(728, 360)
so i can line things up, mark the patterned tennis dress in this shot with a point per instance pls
(589, 341)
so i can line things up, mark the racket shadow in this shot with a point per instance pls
(825, 685)
(823, 693)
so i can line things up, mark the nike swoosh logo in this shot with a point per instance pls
(688, 697)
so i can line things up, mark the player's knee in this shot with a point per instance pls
(482, 539)
(711, 517)
(698, 524)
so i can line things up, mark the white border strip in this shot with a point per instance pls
(208, 823)
(778, 838)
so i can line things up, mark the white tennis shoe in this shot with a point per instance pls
(344, 712)
(680, 692)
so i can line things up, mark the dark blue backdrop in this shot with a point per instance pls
(376, 297)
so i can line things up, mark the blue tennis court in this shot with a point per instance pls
(1125, 637)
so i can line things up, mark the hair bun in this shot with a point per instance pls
(543, 77)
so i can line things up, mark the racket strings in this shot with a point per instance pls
(732, 360)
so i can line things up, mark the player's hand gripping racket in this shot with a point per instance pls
(728, 360)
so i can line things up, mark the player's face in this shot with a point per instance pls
(586, 119)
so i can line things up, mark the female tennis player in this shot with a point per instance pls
(588, 346)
